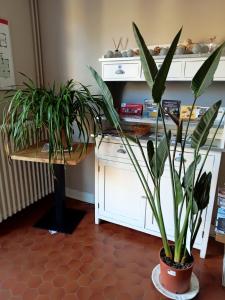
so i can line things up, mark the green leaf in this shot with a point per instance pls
(109, 110)
(160, 79)
(158, 160)
(150, 150)
(204, 76)
(147, 61)
(200, 134)
(188, 177)
(178, 188)
(194, 207)
(202, 190)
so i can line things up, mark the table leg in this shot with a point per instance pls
(59, 196)
(60, 218)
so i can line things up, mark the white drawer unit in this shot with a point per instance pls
(121, 71)
(182, 69)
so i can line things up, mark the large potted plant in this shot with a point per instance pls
(191, 186)
(55, 109)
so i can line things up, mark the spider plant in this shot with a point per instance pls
(190, 186)
(54, 109)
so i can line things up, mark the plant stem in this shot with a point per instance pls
(176, 232)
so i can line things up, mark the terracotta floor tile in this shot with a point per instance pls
(105, 262)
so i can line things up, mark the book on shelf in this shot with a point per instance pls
(221, 197)
(220, 217)
(220, 221)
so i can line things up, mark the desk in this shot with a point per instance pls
(221, 238)
(59, 218)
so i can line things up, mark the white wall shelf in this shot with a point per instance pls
(183, 68)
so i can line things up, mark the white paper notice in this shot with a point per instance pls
(7, 78)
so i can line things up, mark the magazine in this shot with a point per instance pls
(171, 106)
(185, 111)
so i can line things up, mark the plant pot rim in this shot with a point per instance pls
(173, 268)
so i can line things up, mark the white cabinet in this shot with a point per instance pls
(120, 199)
(121, 196)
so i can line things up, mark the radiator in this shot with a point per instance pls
(21, 183)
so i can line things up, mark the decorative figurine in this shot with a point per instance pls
(163, 51)
(151, 52)
(130, 53)
(212, 44)
(156, 50)
(180, 50)
(196, 48)
(109, 54)
(117, 53)
(204, 48)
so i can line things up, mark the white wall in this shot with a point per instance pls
(75, 33)
(18, 15)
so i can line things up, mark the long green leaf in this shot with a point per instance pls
(200, 134)
(202, 190)
(150, 151)
(110, 111)
(204, 76)
(160, 79)
(188, 177)
(158, 161)
(147, 61)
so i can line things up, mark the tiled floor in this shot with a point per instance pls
(95, 262)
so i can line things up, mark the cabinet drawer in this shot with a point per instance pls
(220, 71)
(121, 71)
(117, 151)
(191, 67)
(176, 70)
(189, 158)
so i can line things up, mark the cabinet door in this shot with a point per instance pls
(167, 210)
(167, 207)
(121, 196)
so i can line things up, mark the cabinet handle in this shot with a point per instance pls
(119, 70)
(121, 151)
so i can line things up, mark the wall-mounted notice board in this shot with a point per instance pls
(7, 77)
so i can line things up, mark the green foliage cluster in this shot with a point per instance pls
(55, 109)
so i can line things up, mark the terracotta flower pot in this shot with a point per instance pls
(175, 280)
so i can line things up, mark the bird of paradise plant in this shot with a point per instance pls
(191, 186)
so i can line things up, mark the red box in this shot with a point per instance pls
(131, 109)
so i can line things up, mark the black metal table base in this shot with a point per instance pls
(60, 218)
(72, 218)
